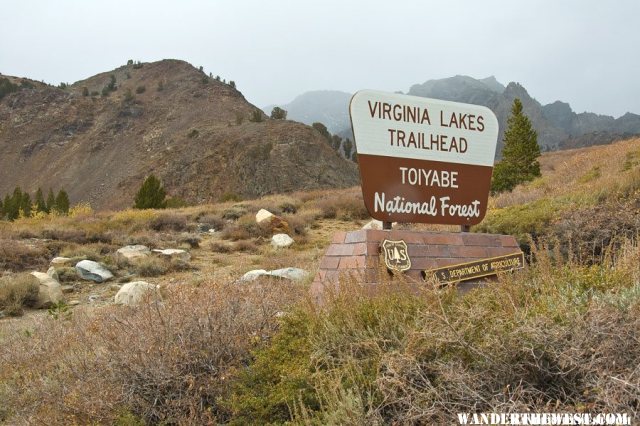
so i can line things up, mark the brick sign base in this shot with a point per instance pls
(358, 253)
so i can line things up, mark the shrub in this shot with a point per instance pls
(6, 87)
(140, 90)
(85, 91)
(278, 113)
(234, 213)
(193, 133)
(169, 222)
(176, 203)
(17, 291)
(177, 370)
(214, 220)
(256, 116)
(20, 256)
(230, 196)
(150, 266)
(128, 95)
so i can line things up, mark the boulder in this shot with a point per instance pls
(53, 273)
(93, 271)
(59, 262)
(177, 254)
(135, 292)
(281, 240)
(375, 224)
(294, 274)
(129, 253)
(263, 215)
(49, 292)
(252, 275)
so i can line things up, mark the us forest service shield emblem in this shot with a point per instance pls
(396, 255)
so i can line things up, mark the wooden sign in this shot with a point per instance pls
(423, 160)
(477, 269)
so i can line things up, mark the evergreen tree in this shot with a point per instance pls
(25, 204)
(151, 194)
(520, 153)
(6, 206)
(41, 206)
(348, 145)
(336, 142)
(51, 201)
(12, 207)
(62, 202)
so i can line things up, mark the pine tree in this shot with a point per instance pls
(13, 209)
(6, 206)
(51, 201)
(348, 145)
(151, 194)
(41, 206)
(520, 153)
(25, 204)
(62, 202)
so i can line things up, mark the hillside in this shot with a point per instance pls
(166, 118)
(558, 126)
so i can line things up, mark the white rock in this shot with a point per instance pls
(49, 292)
(178, 254)
(295, 274)
(59, 262)
(93, 271)
(133, 252)
(281, 240)
(375, 224)
(135, 292)
(263, 215)
(252, 275)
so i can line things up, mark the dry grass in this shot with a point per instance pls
(168, 363)
(586, 175)
(559, 337)
(21, 256)
(17, 291)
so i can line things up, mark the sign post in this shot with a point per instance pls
(421, 161)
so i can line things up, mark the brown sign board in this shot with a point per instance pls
(423, 160)
(477, 269)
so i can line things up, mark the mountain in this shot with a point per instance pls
(165, 118)
(558, 126)
(325, 106)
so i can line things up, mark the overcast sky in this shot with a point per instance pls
(581, 52)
